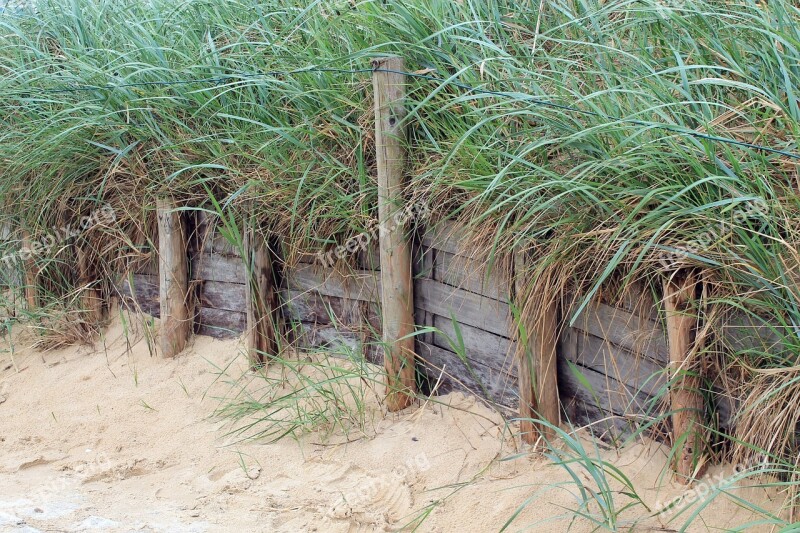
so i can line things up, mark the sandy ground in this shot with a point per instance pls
(115, 439)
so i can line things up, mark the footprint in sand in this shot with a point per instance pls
(363, 498)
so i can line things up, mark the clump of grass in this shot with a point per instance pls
(300, 394)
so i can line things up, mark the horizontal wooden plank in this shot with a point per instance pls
(359, 285)
(604, 392)
(221, 295)
(470, 275)
(476, 379)
(482, 347)
(337, 341)
(469, 308)
(215, 267)
(208, 239)
(741, 332)
(448, 237)
(140, 292)
(620, 327)
(313, 307)
(223, 323)
(602, 424)
(369, 259)
(639, 373)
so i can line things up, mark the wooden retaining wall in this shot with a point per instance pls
(611, 362)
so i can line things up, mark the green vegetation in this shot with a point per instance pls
(267, 107)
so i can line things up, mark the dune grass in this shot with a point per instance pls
(267, 106)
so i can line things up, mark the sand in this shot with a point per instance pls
(112, 438)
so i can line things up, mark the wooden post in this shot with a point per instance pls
(262, 300)
(91, 299)
(173, 271)
(31, 272)
(537, 365)
(395, 250)
(686, 398)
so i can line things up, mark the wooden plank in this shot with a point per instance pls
(91, 297)
(470, 275)
(176, 322)
(359, 285)
(424, 261)
(369, 259)
(448, 236)
(637, 372)
(215, 267)
(686, 398)
(313, 307)
(208, 239)
(261, 301)
(604, 392)
(620, 327)
(469, 308)
(602, 424)
(488, 349)
(537, 335)
(221, 295)
(338, 341)
(143, 295)
(31, 272)
(742, 332)
(220, 323)
(477, 379)
(397, 288)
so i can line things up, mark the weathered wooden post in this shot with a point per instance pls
(262, 300)
(91, 298)
(31, 271)
(173, 271)
(686, 398)
(537, 363)
(395, 249)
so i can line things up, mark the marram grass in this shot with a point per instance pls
(278, 124)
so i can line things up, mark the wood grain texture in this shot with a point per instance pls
(467, 376)
(222, 295)
(470, 275)
(338, 341)
(91, 297)
(625, 329)
(261, 301)
(397, 299)
(488, 349)
(215, 267)
(686, 398)
(208, 239)
(220, 323)
(141, 292)
(31, 272)
(361, 285)
(637, 372)
(470, 308)
(537, 359)
(447, 236)
(176, 323)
